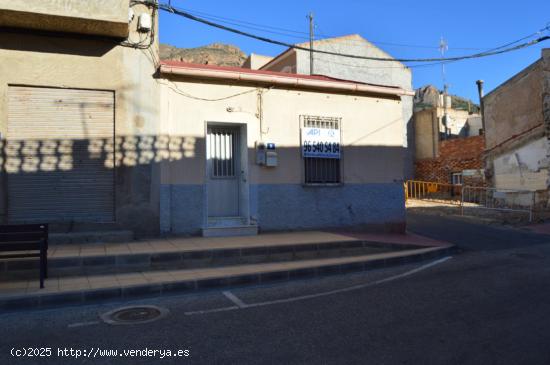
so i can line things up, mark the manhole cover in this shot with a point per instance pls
(134, 315)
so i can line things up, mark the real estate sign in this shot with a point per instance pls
(320, 142)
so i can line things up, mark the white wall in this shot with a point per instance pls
(525, 168)
(372, 129)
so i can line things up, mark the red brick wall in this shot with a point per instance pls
(455, 155)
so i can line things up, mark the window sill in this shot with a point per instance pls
(320, 185)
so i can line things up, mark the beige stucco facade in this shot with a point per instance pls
(372, 140)
(368, 123)
(78, 62)
(426, 129)
(97, 17)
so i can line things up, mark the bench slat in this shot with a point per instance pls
(23, 228)
(19, 255)
(26, 236)
(21, 246)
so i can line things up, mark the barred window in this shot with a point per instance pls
(221, 152)
(321, 149)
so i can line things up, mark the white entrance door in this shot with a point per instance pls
(223, 164)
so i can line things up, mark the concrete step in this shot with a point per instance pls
(19, 295)
(110, 236)
(69, 227)
(226, 222)
(230, 231)
(70, 260)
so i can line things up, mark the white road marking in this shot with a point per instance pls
(232, 297)
(241, 305)
(216, 310)
(82, 324)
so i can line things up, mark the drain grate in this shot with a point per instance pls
(134, 315)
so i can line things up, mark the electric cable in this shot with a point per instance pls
(494, 51)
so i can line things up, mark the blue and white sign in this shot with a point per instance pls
(320, 142)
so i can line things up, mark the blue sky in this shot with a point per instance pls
(464, 24)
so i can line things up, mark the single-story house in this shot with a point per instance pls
(253, 149)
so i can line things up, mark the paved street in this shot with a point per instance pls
(486, 305)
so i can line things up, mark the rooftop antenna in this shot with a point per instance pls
(444, 47)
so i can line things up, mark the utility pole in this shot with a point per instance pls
(311, 37)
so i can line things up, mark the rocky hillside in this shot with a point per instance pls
(213, 54)
(428, 95)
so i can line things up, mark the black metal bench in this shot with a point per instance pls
(31, 238)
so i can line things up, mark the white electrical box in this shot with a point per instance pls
(266, 154)
(145, 23)
(271, 159)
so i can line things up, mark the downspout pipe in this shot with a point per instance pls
(481, 107)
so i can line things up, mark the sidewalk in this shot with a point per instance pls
(173, 244)
(89, 273)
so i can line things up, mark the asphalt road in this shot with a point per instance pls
(489, 304)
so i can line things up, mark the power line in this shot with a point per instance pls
(383, 67)
(253, 26)
(498, 50)
(331, 46)
(305, 35)
(207, 15)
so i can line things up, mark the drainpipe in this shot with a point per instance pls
(488, 164)
(481, 108)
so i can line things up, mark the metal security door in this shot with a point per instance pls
(57, 155)
(223, 171)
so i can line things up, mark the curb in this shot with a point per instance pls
(183, 258)
(95, 296)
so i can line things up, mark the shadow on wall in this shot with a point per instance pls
(34, 156)
(95, 180)
(371, 197)
(86, 180)
(56, 43)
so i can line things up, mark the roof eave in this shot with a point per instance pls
(282, 80)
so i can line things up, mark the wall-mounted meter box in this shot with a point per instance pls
(266, 154)
(145, 23)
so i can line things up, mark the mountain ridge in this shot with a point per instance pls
(213, 54)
